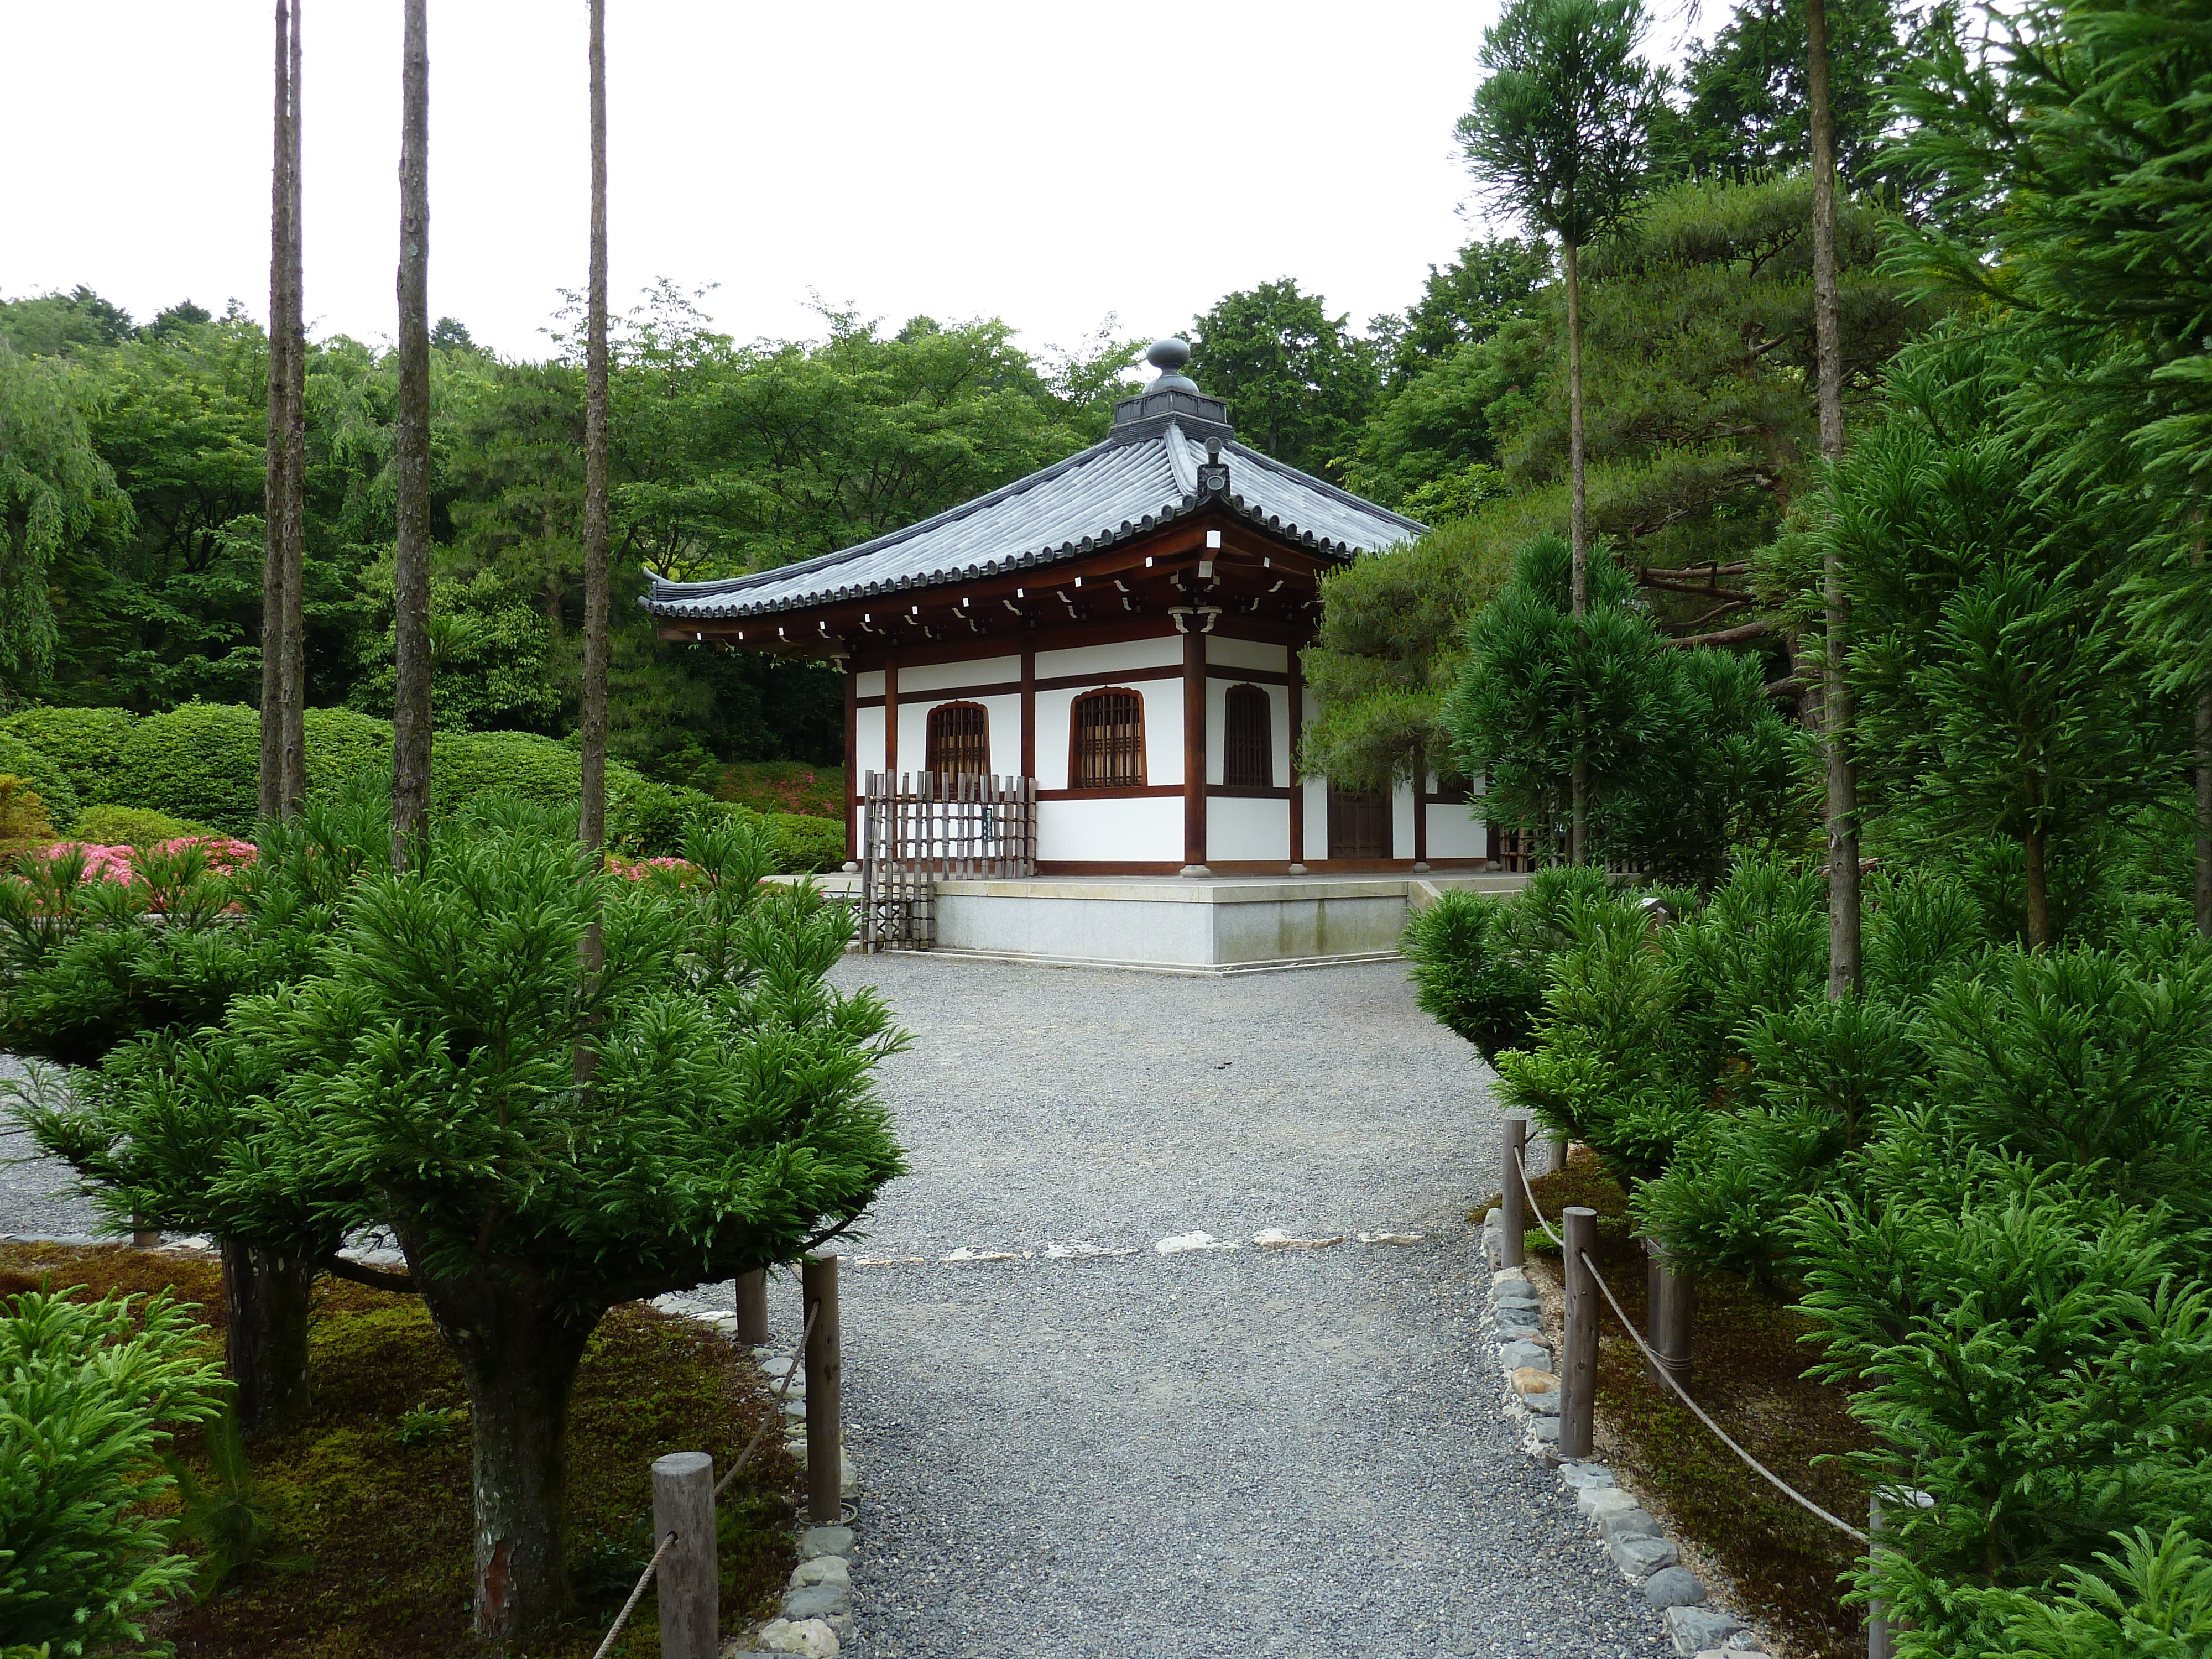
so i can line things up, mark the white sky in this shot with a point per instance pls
(1050, 164)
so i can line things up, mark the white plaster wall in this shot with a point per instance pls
(1108, 660)
(1146, 828)
(869, 683)
(868, 744)
(919, 682)
(1163, 735)
(1455, 833)
(1313, 794)
(1247, 654)
(1402, 821)
(1243, 830)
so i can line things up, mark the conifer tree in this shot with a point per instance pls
(1558, 134)
(592, 820)
(283, 655)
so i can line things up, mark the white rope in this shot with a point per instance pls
(1520, 1169)
(1658, 1365)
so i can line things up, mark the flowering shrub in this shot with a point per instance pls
(639, 869)
(107, 862)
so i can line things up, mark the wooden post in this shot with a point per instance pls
(890, 716)
(752, 1306)
(825, 1451)
(1028, 705)
(1880, 1644)
(1194, 748)
(1420, 811)
(1515, 1200)
(1297, 788)
(1670, 1296)
(1578, 1355)
(687, 1585)
(852, 774)
(143, 1237)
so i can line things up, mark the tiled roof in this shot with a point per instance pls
(1107, 494)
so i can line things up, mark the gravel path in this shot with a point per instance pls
(1221, 1453)
(34, 1195)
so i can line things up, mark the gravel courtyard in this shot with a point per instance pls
(1225, 1452)
(1237, 1452)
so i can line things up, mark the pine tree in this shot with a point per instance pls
(1558, 133)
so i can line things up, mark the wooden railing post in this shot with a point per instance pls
(825, 1450)
(1670, 1299)
(688, 1584)
(1578, 1357)
(1880, 1644)
(752, 1306)
(1514, 1200)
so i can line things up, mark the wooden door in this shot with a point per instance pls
(1358, 824)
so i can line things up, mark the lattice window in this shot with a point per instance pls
(959, 739)
(1248, 750)
(1106, 748)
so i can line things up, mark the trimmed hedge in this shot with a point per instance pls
(201, 763)
(46, 778)
(110, 825)
(87, 744)
(804, 845)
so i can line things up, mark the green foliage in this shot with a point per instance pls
(806, 845)
(1298, 382)
(1466, 973)
(56, 493)
(87, 744)
(2152, 1601)
(51, 783)
(224, 1514)
(131, 826)
(1686, 756)
(427, 1425)
(1560, 122)
(86, 1389)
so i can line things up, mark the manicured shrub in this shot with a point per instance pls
(85, 1390)
(48, 780)
(342, 746)
(806, 845)
(1468, 974)
(87, 744)
(201, 762)
(129, 826)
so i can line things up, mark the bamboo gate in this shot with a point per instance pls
(918, 829)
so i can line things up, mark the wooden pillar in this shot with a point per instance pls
(1193, 750)
(852, 757)
(890, 717)
(689, 1591)
(1029, 706)
(1578, 1349)
(1298, 784)
(825, 1372)
(1420, 809)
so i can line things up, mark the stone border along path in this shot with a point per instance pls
(1632, 1538)
(1111, 1394)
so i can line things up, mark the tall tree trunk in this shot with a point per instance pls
(265, 1305)
(592, 817)
(2203, 774)
(1836, 713)
(2032, 845)
(1577, 540)
(411, 714)
(518, 1355)
(278, 460)
(294, 687)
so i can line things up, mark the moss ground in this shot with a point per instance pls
(785, 787)
(371, 1558)
(1747, 1363)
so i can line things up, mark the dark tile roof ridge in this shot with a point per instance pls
(663, 588)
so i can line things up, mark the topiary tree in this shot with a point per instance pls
(425, 1076)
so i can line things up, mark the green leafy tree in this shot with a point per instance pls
(59, 503)
(1298, 382)
(62, 325)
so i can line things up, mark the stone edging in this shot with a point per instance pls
(1632, 1539)
(817, 1603)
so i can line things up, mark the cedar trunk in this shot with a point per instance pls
(265, 1305)
(1842, 812)
(591, 815)
(2039, 891)
(518, 1353)
(411, 714)
(283, 781)
(1577, 539)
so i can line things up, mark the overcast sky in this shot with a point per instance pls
(1048, 164)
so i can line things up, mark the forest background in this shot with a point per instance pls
(131, 490)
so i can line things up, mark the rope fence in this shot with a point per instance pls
(1579, 1368)
(705, 1497)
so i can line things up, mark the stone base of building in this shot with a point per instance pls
(1187, 925)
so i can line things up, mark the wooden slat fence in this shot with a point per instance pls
(918, 829)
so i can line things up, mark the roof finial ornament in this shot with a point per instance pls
(1169, 356)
